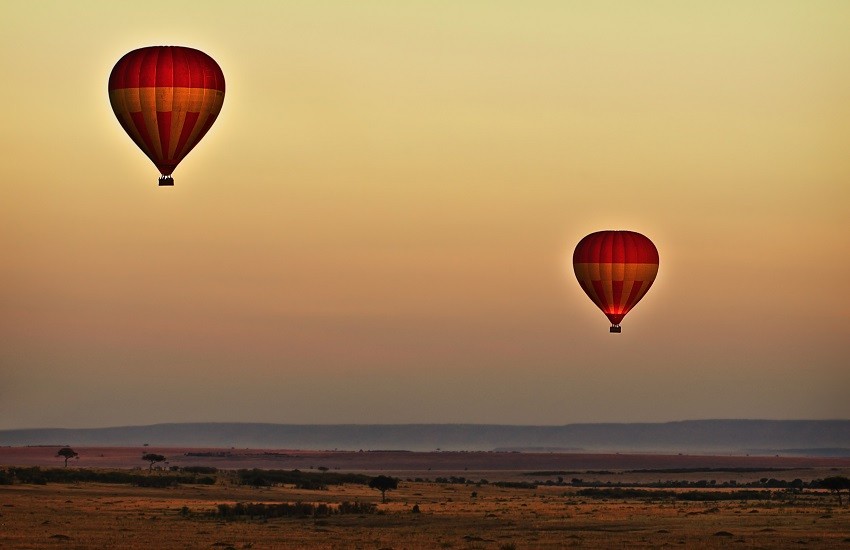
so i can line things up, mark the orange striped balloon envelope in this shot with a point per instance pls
(166, 98)
(615, 268)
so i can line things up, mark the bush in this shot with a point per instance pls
(199, 469)
(700, 496)
(154, 481)
(515, 484)
(253, 510)
(37, 476)
(620, 493)
(33, 475)
(301, 480)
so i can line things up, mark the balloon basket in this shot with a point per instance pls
(166, 181)
(616, 328)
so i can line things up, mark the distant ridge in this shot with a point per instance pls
(797, 437)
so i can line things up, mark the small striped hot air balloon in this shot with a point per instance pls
(615, 269)
(166, 99)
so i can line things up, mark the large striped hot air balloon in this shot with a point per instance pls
(615, 268)
(166, 98)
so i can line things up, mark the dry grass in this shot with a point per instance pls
(91, 515)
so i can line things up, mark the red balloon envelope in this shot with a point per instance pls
(166, 98)
(615, 268)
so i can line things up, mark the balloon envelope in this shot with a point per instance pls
(615, 269)
(166, 99)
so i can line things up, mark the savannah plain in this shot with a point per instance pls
(464, 500)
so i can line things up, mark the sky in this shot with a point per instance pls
(379, 226)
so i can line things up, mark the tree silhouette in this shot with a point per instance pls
(153, 458)
(66, 453)
(836, 484)
(383, 484)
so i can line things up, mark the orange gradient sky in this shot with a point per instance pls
(379, 226)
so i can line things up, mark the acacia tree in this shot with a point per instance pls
(383, 484)
(153, 458)
(836, 484)
(66, 453)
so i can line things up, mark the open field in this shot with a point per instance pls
(452, 515)
(108, 516)
(400, 461)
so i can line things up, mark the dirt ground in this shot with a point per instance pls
(93, 515)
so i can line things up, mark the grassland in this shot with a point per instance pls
(452, 515)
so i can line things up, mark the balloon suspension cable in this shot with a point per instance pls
(616, 328)
(166, 180)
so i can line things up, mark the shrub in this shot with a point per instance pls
(301, 480)
(700, 496)
(515, 484)
(36, 476)
(154, 481)
(33, 475)
(199, 469)
(259, 510)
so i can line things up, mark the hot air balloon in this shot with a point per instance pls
(615, 269)
(166, 99)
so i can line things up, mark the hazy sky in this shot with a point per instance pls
(379, 227)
